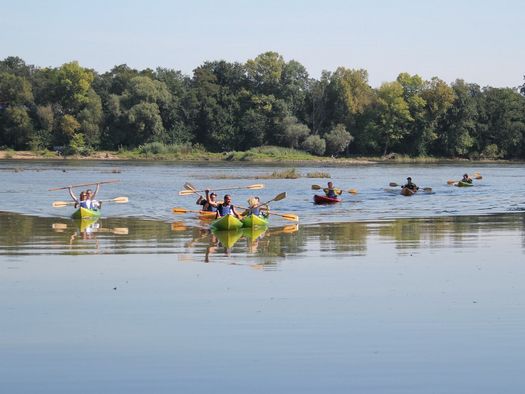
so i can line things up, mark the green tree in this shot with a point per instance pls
(15, 127)
(265, 72)
(393, 115)
(337, 140)
(14, 90)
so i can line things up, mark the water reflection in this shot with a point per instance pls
(30, 235)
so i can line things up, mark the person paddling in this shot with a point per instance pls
(466, 179)
(410, 185)
(209, 203)
(226, 208)
(80, 201)
(91, 203)
(86, 199)
(255, 207)
(330, 191)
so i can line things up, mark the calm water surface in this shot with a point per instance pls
(382, 294)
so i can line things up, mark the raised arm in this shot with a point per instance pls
(72, 194)
(96, 191)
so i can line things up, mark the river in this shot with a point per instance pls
(379, 294)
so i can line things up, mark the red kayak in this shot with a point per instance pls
(325, 200)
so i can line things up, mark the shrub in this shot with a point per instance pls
(314, 144)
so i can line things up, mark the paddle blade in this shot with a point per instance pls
(427, 189)
(451, 182)
(393, 184)
(189, 186)
(477, 176)
(186, 192)
(352, 191)
(255, 187)
(289, 216)
(292, 228)
(316, 187)
(120, 230)
(120, 200)
(280, 196)
(179, 210)
(61, 204)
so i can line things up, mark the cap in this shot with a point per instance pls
(409, 179)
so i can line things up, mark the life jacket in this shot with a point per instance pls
(331, 193)
(254, 211)
(206, 206)
(224, 209)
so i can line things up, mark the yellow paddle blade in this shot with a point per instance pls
(255, 187)
(179, 210)
(451, 182)
(352, 191)
(178, 226)
(120, 230)
(292, 228)
(61, 204)
(119, 200)
(287, 216)
(316, 187)
(186, 192)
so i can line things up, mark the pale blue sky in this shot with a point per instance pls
(480, 41)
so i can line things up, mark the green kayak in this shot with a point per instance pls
(254, 221)
(84, 213)
(464, 184)
(228, 238)
(227, 222)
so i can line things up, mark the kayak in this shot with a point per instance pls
(325, 200)
(464, 184)
(86, 224)
(85, 213)
(254, 221)
(227, 222)
(207, 215)
(252, 233)
(228, 238)
(407, 192)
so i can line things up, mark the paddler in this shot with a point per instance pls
(226, 208)
(466, 179)
(80, 201)
(410, 185)
(91, 203)
(255, 207)
(209, 203)
(330, 191)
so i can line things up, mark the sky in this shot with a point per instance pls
(479, 41)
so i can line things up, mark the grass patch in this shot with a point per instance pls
(318, 174)
(282, 174)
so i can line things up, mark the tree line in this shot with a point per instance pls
(227, 106)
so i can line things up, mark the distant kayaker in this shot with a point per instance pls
(330, 191)
(410, 185)
(466, 179)
(226, 208)
(209, 203)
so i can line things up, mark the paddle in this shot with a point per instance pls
(61, 204)
(189, 186)
(251, 187)
(287, 216)
(83, 184)
(279, 197)
(184, 210)
(60, 227)
(476, 175)
(425, 189)
(339, 191)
